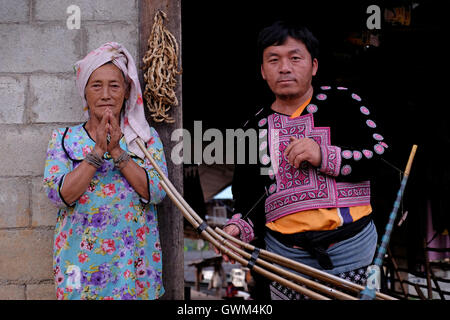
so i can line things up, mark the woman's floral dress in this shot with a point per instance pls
(106, 244)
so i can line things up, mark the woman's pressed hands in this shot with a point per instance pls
(115, 134)
(304, 149)
(101, 133)
(108, 127)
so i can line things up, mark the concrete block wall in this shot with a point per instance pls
(38, 94)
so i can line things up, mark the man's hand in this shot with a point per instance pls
(233, 231)
(305, 149)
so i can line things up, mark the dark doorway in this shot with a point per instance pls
(401, 76)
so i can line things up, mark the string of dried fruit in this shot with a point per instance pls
(160, 71)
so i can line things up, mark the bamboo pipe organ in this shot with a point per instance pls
(161, 66)
(261, 261)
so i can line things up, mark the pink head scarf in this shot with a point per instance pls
(133, 122)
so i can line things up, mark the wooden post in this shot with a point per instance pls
(170, 219)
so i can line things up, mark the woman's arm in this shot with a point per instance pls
(135, 175)
(77, 182)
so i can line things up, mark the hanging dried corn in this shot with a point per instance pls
(160, 71)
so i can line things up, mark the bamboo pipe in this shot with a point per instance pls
(374, 270)
(169, 185)
(192, 218)
(205, 234)
(314, 285)
(410, 160)
(195, 220)
(305, 269)
(220, 240)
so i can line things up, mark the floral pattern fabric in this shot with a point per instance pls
(106, 244)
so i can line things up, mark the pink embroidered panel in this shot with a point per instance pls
(305, 188)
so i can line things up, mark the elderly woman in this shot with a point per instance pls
(106, 237)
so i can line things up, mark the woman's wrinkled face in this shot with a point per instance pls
(106, 88)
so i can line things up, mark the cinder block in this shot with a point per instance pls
(41, 291)
(29, 48)
(23, 150)
(51, 10)
(12, 98)
(14, 203)
(123, 33)
(26, 254)
(12, 292)
(43, 212)
(55, 99)
(14, 11)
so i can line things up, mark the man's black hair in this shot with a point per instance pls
(277, 33)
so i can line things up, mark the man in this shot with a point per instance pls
(322, 145)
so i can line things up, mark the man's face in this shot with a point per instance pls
(288, 68)
(106, 88)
